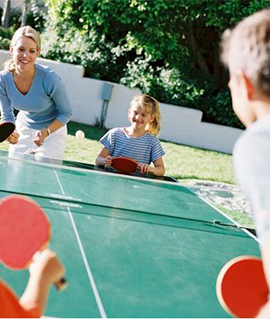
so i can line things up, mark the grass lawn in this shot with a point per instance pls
(182, 162)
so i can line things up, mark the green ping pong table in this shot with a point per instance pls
(132, 246)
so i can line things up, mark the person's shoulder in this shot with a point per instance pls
(259, 131)
(241, 145)
(43, 68)
(4, 78)
(254, 141)
(251, 154)
(152, 137)
(246, 139)
(112, 133)
(46, 72)
(4, 74)
(116, 131)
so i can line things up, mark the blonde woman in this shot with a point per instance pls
(39, 95)
(137, 141)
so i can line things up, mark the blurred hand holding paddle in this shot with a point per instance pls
(6, 129)
(25, 230)
(241, 287)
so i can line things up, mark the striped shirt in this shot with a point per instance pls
(144, 149)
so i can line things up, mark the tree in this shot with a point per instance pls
(24, 8)
(6, 14)
(169, 49)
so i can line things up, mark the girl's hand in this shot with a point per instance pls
(158, 170)
(40, 137)
(13, 138)
(145, 168)
(108, 161)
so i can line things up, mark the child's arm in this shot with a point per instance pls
(44, 271)
(158, 170)
(104, 158)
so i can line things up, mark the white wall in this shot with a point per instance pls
(179, 124)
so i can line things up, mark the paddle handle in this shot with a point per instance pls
(61, 284)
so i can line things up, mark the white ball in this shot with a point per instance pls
(80, 135)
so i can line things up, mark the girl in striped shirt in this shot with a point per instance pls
(137, 141)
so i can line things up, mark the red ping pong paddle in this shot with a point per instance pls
(25, 230)
(6, 129)
(124, 164)
(241, 287)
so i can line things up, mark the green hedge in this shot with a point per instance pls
(169, 49)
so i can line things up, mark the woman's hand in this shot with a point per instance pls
(40, 137)
(13, 138)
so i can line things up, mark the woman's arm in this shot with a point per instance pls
(58, 93)
(46, 131)
(7, 114)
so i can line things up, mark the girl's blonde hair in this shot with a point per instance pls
(27, 32)
(150, 106)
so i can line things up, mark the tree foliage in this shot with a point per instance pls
(169, 49)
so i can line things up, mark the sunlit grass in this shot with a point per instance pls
(184, 162)
(242, 219)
